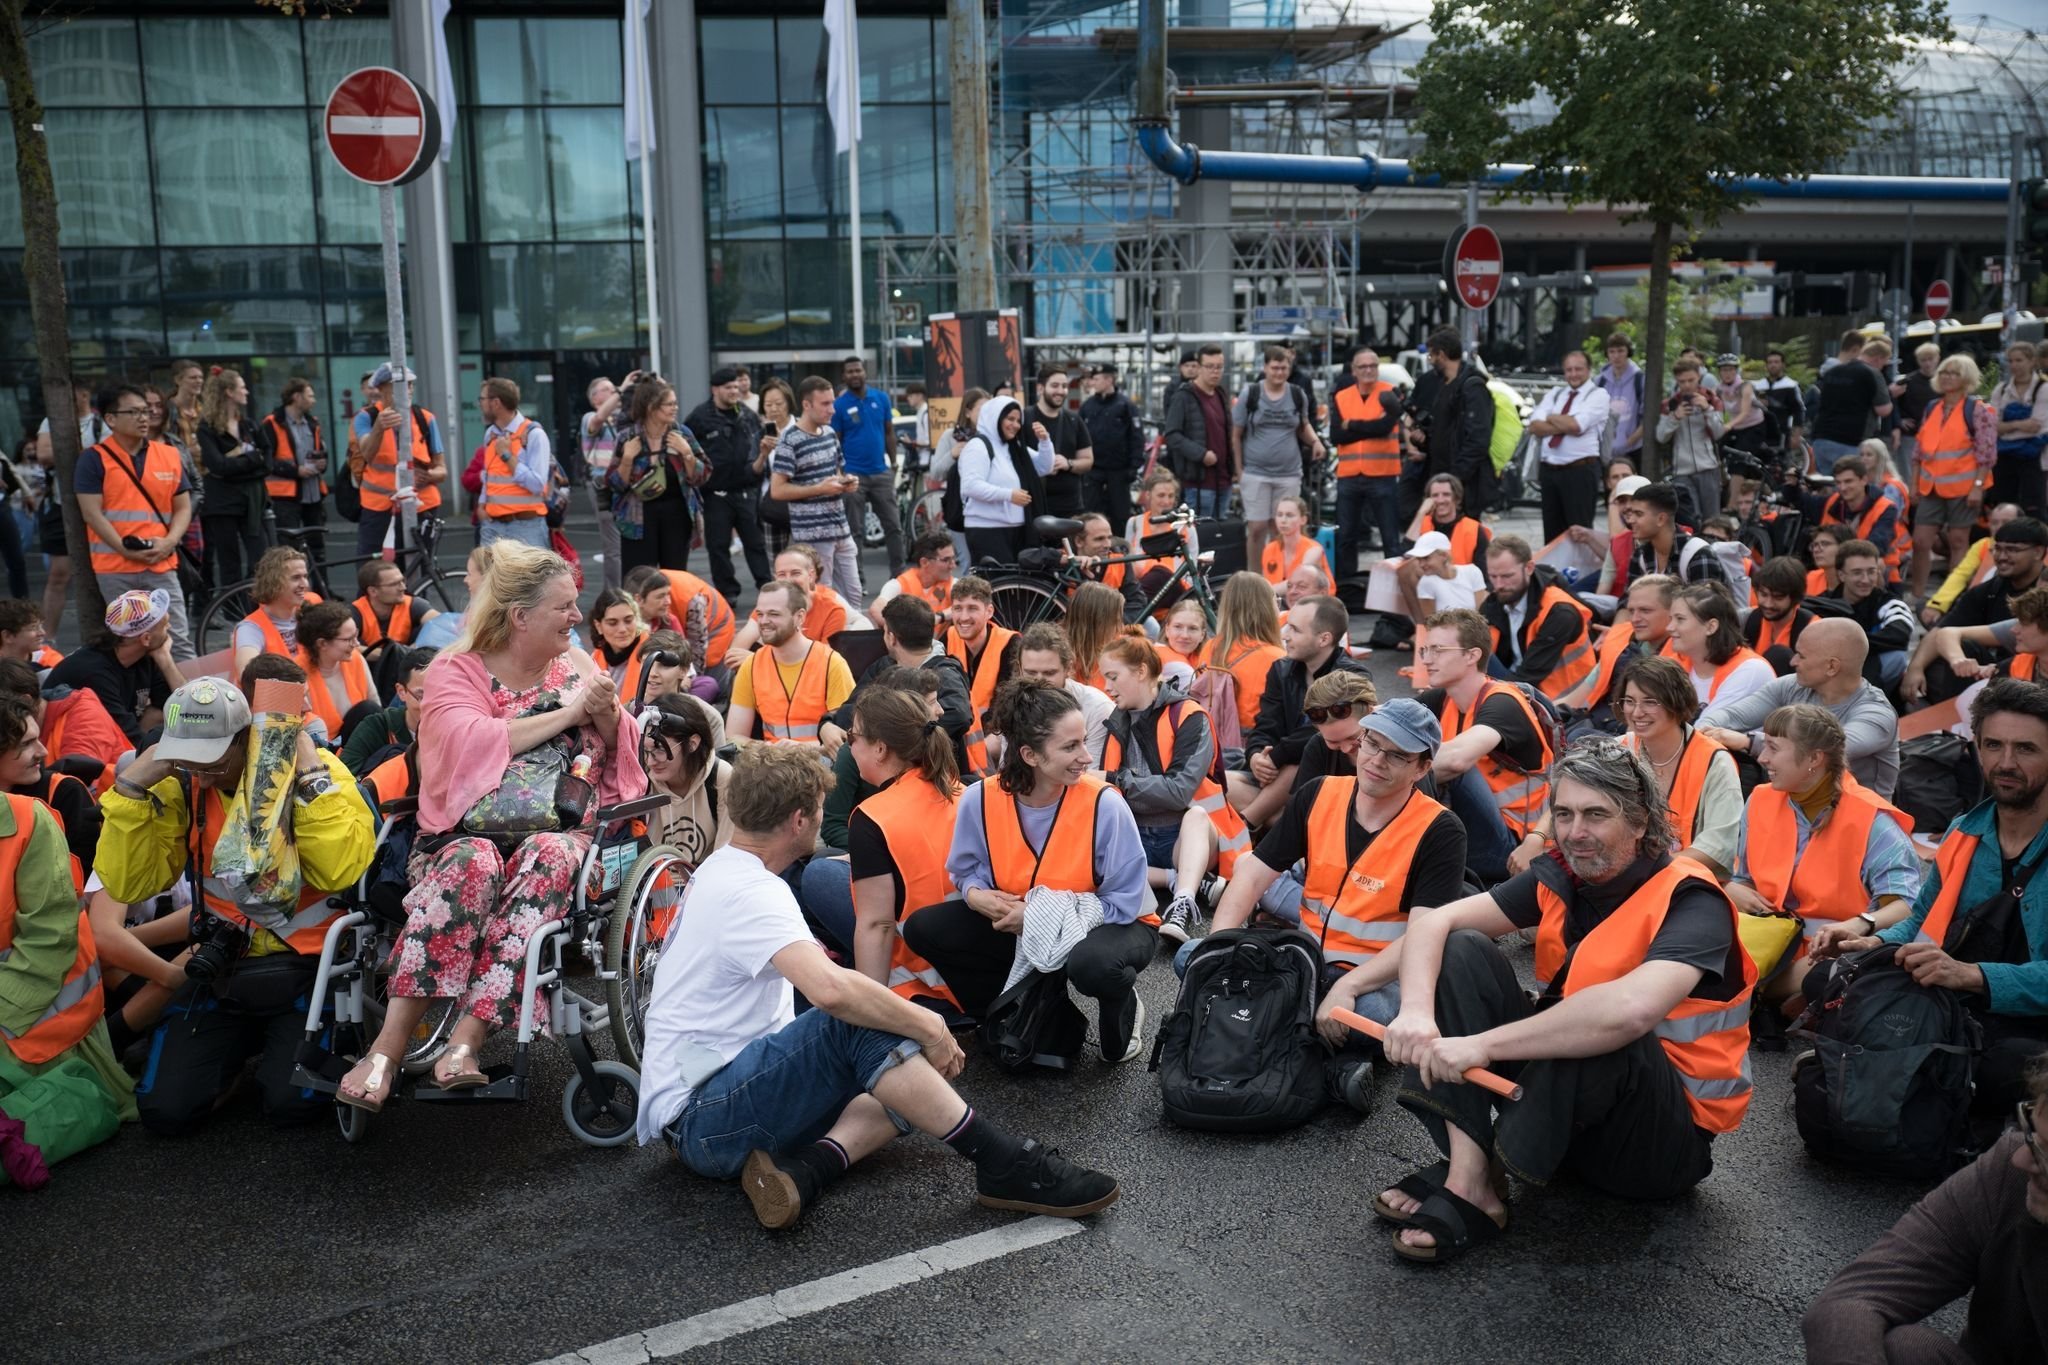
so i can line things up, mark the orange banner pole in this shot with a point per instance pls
(1485, 1080)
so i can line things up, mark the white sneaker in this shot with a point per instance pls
(1137, 1043)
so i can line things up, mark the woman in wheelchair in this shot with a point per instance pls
(510, 711)
(680, 736)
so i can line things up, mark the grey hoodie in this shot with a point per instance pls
(1161, 798)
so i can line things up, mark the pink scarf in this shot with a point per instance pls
(466, 745)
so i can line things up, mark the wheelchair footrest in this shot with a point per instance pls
(503, 1086)
(317, 1069)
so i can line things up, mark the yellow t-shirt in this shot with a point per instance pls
(838, 681)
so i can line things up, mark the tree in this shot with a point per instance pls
(49, 308)
(1659, 107)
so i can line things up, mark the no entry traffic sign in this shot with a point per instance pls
(1472, 265)
(383, 129)
(1940, 298)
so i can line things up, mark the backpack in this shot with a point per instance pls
(1734, 557)
(1549, 724)
(950, 510)
(1035, 1023)
(1507, 424)
(1240, 1053)
(1938, 779)
(1888, 1083)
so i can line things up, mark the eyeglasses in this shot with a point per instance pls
(1641, 704)
(1341, 711)
(2026, 1113)
(1370, 749)
(131, 412)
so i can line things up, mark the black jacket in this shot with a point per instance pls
(732, 442)
(1461, 429)
(229, 480)
(1187, 438)
(1113, 431)
(1160, 794)
(956, 709)
(1282, 725)
(1543, 638)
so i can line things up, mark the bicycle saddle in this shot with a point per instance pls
(1055, 528)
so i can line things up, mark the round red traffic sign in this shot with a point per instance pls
(1472, 265)
(1940, 298)
(382, 128)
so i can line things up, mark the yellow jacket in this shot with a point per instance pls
(142, 844)
(1959, 577)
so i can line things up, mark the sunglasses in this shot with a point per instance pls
(667, 658)
(1341, 711)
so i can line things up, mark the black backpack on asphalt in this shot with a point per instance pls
(1888, 1084)
(1239, 1054)
(1938, 779)
(1035, 1023)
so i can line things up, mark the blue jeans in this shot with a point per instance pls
(1488, 841)
(524, 530)
(827, 897)
(1891, 666)
(1208, 503)
(783, 1092)
(1158, 841)
(1825, 453)
(1360, 499)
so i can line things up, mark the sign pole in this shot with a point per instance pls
(401, 389)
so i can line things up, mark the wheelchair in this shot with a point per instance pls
(627, 893)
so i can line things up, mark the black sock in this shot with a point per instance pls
(825, 1159)
(981, 1142)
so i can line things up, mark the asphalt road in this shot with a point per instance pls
(492, 1235)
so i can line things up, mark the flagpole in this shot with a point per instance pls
(646, 115)
(850, 97)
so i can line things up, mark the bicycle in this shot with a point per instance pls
(446, 589)
(1026, 594)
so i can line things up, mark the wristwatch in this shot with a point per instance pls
(313, 784)
(1870, 920)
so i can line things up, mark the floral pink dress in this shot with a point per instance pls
(471, 909)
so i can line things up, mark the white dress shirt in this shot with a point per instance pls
(1589, 410)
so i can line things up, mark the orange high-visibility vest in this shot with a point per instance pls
(140, 505)
(1613, 645)
(1952, 865)
(631, 671)
(399, 628)
(355, 680)
(46, 656)
(1354, 909)
(1463, 535)
(1519, 795)
(1825, 885)
(79, 1002)
(827, 616)
(1771, 634)
(916, 820)
(277, 485)
(912, 585)
(303, 932)
(719, 623)
(1866, 523)
(273, 638)
(792, 716)
(390, 779)
(503, 495)
(982, 681)
(1707, 1040)
(1232, 838)
(1379, 458)
(1817, 582)
(1252, 661)
(79, 726)
(1278, 566)
(1066, 863)
(1577, 659)
(2022, 666)
(1945, 454)
(1684, 800)
(380, 467)
(1722, 672)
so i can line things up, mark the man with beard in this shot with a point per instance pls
(794, 683)
(1634, 1060)
(1539, 629)
(1988, 858)
(1780, 616)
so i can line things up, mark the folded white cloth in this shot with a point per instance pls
(1054, 921)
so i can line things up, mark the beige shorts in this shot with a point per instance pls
(1259, 493)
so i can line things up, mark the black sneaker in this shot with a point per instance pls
(777, 1190)
(1040, 1180)
(1179, 919)
(1350, 1082)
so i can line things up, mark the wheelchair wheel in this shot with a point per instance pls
(640, 919)
(429, 1038)
(354, 1123)
(604, 1115)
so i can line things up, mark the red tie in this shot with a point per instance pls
(1569, 395)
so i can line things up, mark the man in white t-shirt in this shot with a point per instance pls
(743, 1086)
(1443, 586)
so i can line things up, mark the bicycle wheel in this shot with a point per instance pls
(1020, 602)
(225, 610)
(927, 514)
(446, 591)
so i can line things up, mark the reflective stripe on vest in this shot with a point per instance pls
(1945, 454)
(504, 496)
(79, 1002)
(1354, 908)
(792, 715)
(131, 512)
(1232, 837)
(719, 623)
(1378, 457)
(916, 821)
(380, 469)
(278, 486)
(1519, 795)
(983, 677)
(1706, 1040)
(1822, 883)
(1065, 863)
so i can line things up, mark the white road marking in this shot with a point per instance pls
(814, 1296)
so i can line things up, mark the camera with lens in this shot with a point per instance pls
(216, 944)
(135, 543)
(1742, 465)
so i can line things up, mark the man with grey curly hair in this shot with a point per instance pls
(1631, 1063)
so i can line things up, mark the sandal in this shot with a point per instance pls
(463, 1074)
(376, 1084)
(1419, 1186)
(1457, 1226)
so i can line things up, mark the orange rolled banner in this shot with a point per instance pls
(1485, 1080)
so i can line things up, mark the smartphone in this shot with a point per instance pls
(768, 429)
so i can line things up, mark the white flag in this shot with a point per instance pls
(639, 118)
(444, 79)
(842, 74)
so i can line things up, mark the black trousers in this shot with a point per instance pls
(665, 538)
(309, 518)
(1571, 494)
(1109, 492)
(974, 957)
(235, 540)
(2011, 1043)
(2017, 479)
(207, 1036)
(725, 513)
(1618, 1121)
(995, 544)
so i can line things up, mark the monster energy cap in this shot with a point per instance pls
(201, 720)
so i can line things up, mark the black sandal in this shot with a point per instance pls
(1419, 1186)
(1457, 1226)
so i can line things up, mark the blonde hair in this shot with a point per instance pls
(1244, 612)
(518, 578)
(216, 409)
(1877, 349)
(1095, 617)
(1967, 368)
(1880, 456)
(1341, 685)
(274, 572)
